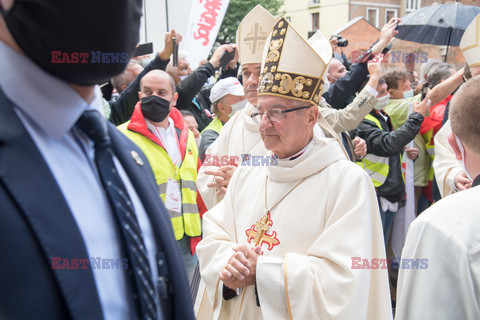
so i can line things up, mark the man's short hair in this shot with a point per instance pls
(124, 78)
(438, 73)
(464, 113)
(181, 55)
(172, 82)
(392, 78)
(214, 106)
(425, 69)
(186, 113)
(330, 64)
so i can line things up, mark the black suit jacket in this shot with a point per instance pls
(37, 224)
(342, 92)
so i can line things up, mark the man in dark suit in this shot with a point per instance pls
(344, 85)
(64, 241)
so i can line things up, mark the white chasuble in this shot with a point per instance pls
(314, 233)
(445, 238)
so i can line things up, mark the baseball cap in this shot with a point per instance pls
(226, 86)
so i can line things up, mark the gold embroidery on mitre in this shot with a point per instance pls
(266, 82)
(274, 53)
(280, 82)
(285, 84)
(297, 89)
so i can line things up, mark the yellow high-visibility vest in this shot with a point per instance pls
(216, 125)
(188, 221)
(377, 167)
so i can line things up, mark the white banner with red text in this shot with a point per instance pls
(206, 17)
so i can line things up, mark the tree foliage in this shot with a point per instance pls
(237, 9)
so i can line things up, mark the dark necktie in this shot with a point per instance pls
(95, 127)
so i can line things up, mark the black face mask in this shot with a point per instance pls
(155, 108)
(96, 37)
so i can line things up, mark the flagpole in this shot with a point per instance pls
(166, 10)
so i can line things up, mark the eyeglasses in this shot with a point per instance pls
(274, 115)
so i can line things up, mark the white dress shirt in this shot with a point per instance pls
(169, 139)
(49, 108)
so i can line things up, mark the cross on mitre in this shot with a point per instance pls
(255, 39)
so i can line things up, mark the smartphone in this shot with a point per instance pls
(143, 49)
(226, 58)
(424, 90)
(175, 52)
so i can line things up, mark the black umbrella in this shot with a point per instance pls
(440, 24)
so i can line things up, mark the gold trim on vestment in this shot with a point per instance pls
(286, 286)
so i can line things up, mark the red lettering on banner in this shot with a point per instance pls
(208, 20)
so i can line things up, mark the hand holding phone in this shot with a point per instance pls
(226, 58)
(175, 52)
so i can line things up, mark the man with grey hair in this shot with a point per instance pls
(439, 73)
(190, 83)
(227, 97)
(265, 247)
(121, 81)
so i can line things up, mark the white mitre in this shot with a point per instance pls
(470, 43)
(252, 33)
(293, 67)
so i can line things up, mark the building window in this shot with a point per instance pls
(372, 16)
(313, 2)
(390, 14)
(411, 5)
(315, 21)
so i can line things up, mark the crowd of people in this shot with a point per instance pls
(261, 188)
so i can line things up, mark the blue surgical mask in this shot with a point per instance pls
(408, 94)
(326, 85)
(382, 102)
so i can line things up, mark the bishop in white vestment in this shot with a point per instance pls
(285, 241)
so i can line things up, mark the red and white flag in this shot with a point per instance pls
(206, 16)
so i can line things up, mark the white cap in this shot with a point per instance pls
(226, 86)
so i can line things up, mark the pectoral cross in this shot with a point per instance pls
(258, 232)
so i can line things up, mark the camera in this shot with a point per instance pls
(341, 42)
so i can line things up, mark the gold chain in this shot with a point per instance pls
(266, 183)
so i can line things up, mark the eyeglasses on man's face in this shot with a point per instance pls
(274, 115)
